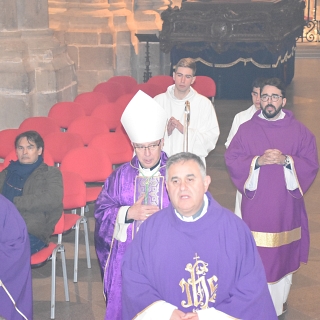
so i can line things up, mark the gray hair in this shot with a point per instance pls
(183, 157)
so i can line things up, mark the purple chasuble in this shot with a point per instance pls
(211, 262)
(15, 268)
(272, 209)
(119, 190)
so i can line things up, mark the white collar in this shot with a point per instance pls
(281, 116)
(191, 219)
(147, 172)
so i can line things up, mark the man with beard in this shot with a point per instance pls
(272, 161)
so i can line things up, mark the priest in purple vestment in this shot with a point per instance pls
(272, 161)
(132, 193)
(15, 268)
(193, 259)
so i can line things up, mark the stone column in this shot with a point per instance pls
(98, 35)
(36, 71)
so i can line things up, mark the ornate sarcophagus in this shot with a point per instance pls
(258, 32)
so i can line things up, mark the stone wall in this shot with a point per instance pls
(35, 69)
(51, 51)
(101, 40)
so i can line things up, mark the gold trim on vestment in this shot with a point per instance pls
(12, 300)
(246, 60)
(105, 267)
(277, 239)
(150, 305)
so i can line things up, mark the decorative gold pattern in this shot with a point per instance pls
(274, 240)
(196, 288)
(152, 188)
(281, 60)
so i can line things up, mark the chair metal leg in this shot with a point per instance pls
(64, 272)
(53, 282)
(60, 249)
(76, 252)
(86, 238)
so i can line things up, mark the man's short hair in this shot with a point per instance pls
(183, 157)
(275, 82)
(187, 63)
(258, 83)
(32, 136)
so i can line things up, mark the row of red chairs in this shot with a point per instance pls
(117, 86)
(109, 99)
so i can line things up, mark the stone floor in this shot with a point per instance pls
(86, 298)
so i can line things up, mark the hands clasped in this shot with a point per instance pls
(173, 123)
(271, 156)
(139, 211)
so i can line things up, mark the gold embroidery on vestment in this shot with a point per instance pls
(273, 240)
(199, 290)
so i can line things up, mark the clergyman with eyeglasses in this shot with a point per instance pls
(272, 160)
(131, 194)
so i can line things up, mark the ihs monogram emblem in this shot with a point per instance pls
(200, 291)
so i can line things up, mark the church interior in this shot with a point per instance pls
(54, 50)
(86, 296)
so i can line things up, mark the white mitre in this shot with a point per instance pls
(144, 119)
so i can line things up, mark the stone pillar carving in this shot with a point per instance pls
(98, 35)
(36, 71)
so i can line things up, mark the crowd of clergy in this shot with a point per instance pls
(166, 248)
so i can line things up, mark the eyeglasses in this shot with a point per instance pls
(273, 97)
(150, 147)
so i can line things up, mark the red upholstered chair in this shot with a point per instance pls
(58, 144)
(74, 196)
(88, 127)
(43, 125)
(65, 112)
(127, 82)
(93, 165)
(205, 86)
(41, 257)
(112, 90)
(115, 144)
(7, 138)
(162, 81)
(110, 113)
(150, 89)
(89, 100)
(123, 101)
(47, 158)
